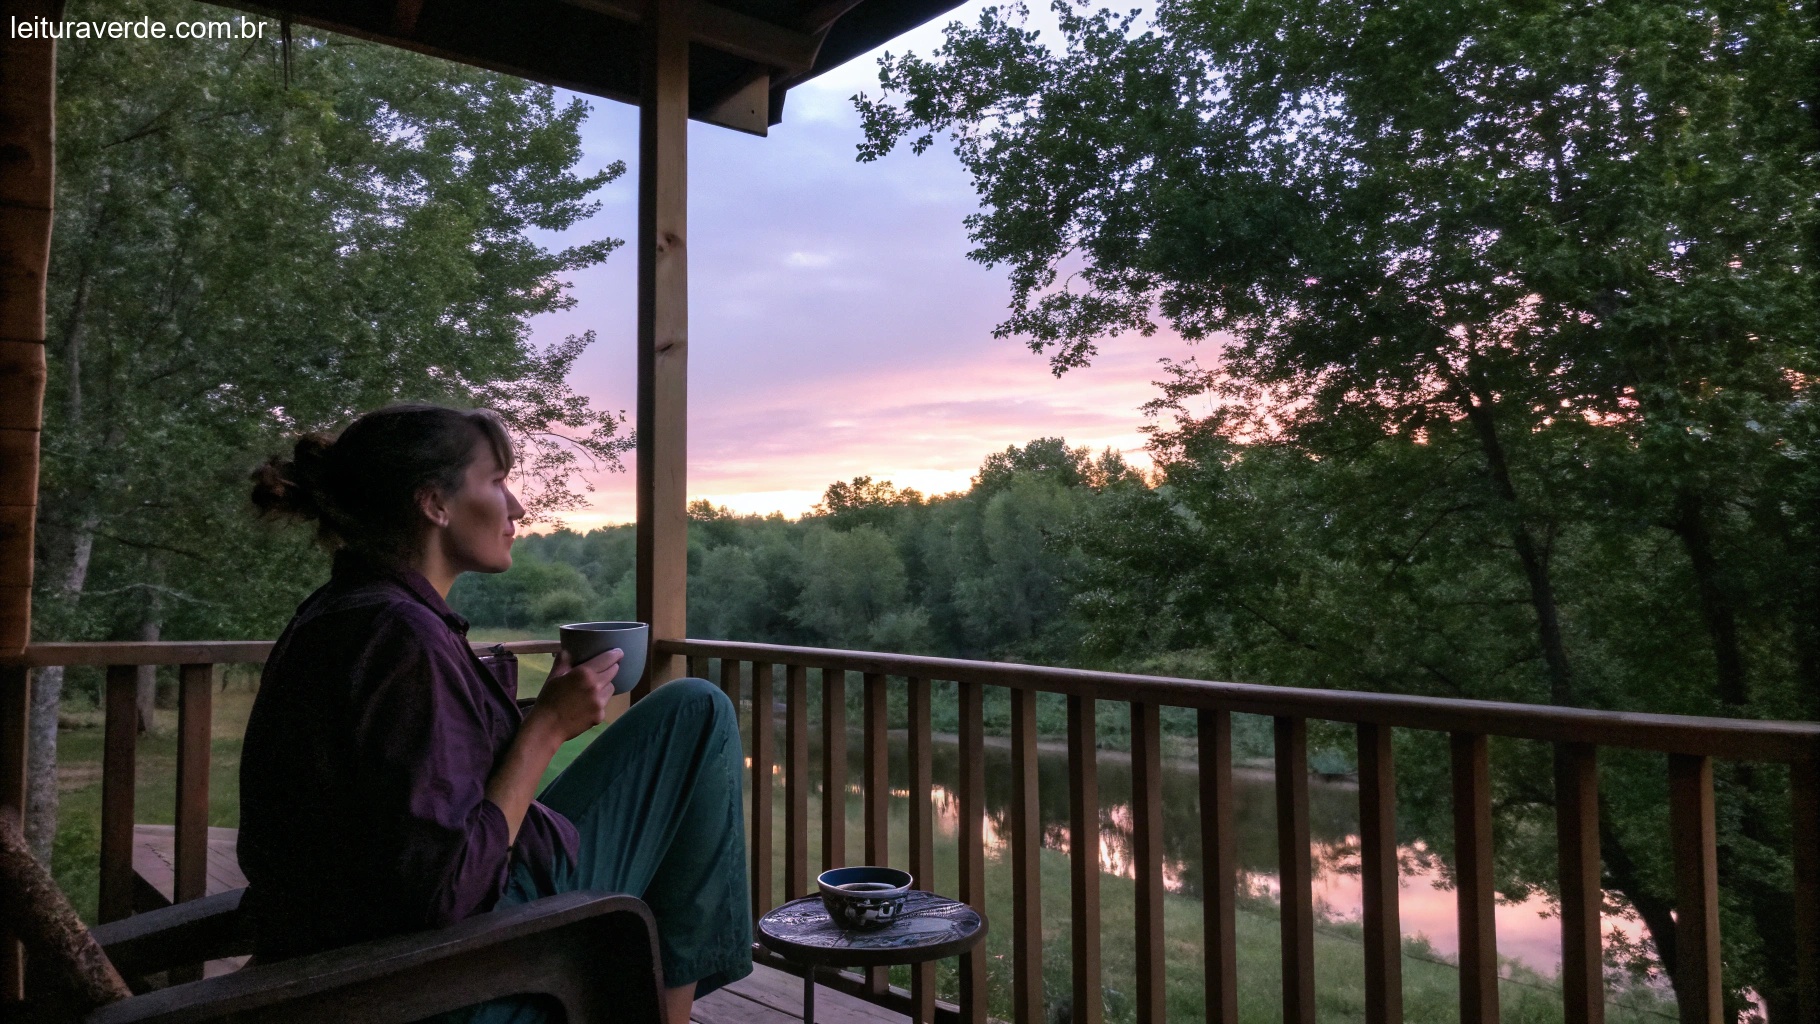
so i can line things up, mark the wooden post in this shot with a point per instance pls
(1804, 793)
(764, 754)
(195, 734)
(877, 774)
(119, 774)
(1027, 1005)
(972, 841)
(1693, 832)
(1084, 860)
(663, 332)
(1577, 852)
(1378, 876)
(1220, 868)
(796, 782)
(922, 836)
(1473, 890)
(834, 769)
(1295, 870)
(28, 79)
(729, 680)
(1152, 981)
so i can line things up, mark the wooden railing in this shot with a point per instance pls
(1692, 744)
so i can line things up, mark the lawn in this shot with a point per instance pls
(1430, 983)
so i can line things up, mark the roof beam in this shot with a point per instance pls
(728, 31)
(747, 109)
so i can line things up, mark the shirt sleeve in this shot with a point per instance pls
(424, 755)
(544, 836)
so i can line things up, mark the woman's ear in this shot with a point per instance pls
(434, 506)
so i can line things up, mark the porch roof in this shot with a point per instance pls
(744, 55)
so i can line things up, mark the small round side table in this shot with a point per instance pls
(929, 927)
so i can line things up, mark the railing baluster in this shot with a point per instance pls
(1690, 743)
(698, 666)
(972, 782)
(1804, 795)
(922, 836)
(15, 711)
(195, 720)
(1084, 859)
(1026, 864)
(763, 756)
(796, 782)
(1693, 836)
(878, 796)
(1219, 868)
(118, 772)
(1473, 878)
(877, 773)
(1577, 846)
(194, 732)
(1294, 870)
(1378, 870)
(729, 680)
(1147, 853)
(834, 768)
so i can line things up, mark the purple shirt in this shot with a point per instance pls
(364, 771)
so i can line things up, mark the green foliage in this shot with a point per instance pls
(238, 259)
(864, 502)
(981, 573)
(1515, 395)
(533, 593)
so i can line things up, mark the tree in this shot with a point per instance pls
(1537, 279)
(1048, 457)
(250, 244)
(729, 602)
(863, 501)
(534, 593)
(851, 581)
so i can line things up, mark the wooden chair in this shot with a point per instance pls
(594, 953)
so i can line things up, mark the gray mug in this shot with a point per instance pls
(584, 640)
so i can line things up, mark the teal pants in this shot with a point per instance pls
(657, 801)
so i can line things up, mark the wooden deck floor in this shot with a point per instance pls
(155, 861)
(768, 996)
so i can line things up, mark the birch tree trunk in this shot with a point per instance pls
(47, 698)
(146, 697)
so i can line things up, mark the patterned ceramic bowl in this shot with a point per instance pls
(864, 898)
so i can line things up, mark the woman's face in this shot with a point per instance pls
(482, 517)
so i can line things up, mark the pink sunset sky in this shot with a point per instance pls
(836, 327)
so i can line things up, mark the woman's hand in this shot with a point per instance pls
(574, 699)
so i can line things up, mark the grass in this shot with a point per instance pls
(1430, 984)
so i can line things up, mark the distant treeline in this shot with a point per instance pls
(986, 573)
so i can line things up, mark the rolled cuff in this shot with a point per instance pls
(475, 874)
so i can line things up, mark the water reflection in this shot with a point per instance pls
(1526, 930)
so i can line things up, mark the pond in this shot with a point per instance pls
(1527, 932)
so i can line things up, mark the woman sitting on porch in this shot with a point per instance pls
(387, 775)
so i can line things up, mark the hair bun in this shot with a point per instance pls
(362, 488)
(294, 488)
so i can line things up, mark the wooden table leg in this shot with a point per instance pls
(809, 994)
